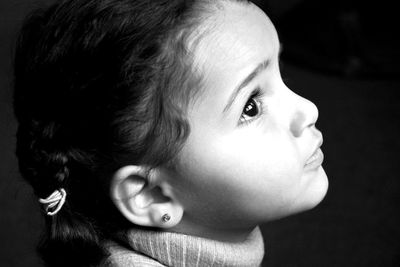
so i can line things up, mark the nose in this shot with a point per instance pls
(304, 114)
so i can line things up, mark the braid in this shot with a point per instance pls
(99, 84)
(40, 160)
(49, 165)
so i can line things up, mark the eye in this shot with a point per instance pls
(252, 109)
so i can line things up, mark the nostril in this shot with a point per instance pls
(312, 124)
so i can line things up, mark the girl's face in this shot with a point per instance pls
(249, 157)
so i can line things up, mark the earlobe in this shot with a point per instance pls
(144, 198)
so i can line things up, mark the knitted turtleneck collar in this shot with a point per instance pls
(174, 249)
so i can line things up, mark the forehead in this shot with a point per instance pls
(238, 38)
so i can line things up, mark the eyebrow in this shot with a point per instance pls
(262, 66)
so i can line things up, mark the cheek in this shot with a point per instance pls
(263, 166)
(253, 174)
(263, 159)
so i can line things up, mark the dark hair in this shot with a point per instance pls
(98, 84)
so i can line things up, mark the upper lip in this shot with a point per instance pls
(320, 140)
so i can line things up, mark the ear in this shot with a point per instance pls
(144, 197)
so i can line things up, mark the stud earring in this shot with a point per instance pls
(166, 217)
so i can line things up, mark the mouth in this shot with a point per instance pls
(316, 158)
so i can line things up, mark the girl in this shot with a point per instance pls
(160, 133)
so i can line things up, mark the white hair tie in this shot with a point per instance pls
(54, 202)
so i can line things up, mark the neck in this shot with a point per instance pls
(223, 235)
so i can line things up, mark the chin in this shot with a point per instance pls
(312, 195)
(317, 190)
(306, 200)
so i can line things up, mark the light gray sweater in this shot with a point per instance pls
(156, 248)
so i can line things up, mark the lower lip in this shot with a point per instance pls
(315, 160)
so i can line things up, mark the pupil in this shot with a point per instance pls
(251, 108)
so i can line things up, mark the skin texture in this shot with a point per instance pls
(237, 171)
(244, 163)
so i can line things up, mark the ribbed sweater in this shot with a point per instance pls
(157, 248)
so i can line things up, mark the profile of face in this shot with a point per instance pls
(253, 151)
(252, 154)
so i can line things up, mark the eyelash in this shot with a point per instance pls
(256, 95)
